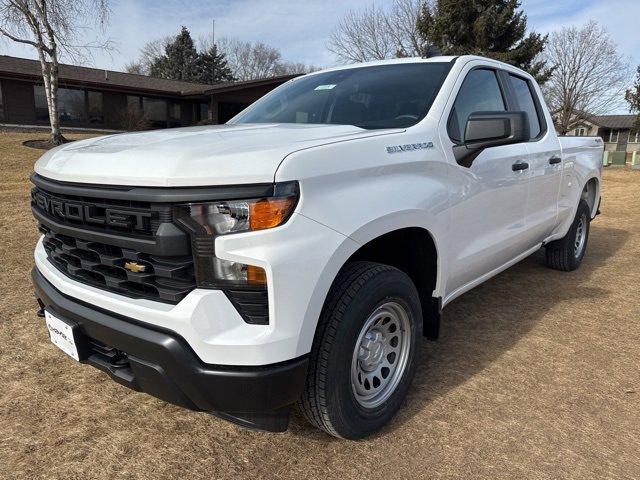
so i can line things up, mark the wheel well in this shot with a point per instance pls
(413, 251)
(589, 193)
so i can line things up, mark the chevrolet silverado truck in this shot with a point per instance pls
(297, 254)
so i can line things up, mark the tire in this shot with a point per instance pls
(365, 302)
(567, 253)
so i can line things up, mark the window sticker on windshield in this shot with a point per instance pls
(325, 87)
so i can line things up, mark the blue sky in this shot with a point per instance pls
(300, 28)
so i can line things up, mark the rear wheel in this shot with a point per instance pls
(567, 253)
(365, 351)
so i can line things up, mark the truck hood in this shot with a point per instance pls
(194, 156)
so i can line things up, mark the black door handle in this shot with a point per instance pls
(555, 159)
(519, 166)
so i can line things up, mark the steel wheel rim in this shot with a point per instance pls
(381, 354)
(581, 236)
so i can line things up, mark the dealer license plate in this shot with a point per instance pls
(61, 334)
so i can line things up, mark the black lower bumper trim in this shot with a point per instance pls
(161, 363)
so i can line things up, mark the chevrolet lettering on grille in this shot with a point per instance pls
(90, 214)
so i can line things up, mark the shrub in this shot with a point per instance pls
(133, 120)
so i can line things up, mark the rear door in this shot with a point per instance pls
(545, 163)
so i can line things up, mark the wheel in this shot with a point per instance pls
(567, 253)
(365, 352)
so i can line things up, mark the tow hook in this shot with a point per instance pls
(40, 312)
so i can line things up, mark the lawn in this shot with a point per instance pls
(536, 375)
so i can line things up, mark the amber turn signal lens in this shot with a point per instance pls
(256, 275)
(270, 212)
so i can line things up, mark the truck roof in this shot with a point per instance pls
(437, 59)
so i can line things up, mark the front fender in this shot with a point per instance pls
(408, 219)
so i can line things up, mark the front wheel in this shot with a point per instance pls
(567, 253)
(365, 352)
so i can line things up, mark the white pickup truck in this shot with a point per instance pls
(298, 253)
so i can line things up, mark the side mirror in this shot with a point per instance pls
(491, 129)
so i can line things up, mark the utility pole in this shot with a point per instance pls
(213, 47)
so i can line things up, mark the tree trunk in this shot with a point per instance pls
(50, 77)
(52, 100)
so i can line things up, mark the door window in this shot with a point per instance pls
(526, 103)
(480, 92)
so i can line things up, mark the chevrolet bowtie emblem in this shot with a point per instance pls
(134, 267)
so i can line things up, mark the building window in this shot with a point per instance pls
(71, 106)
(203, 111)
(94, 100)
(75, 107)
(613, 136)
(1, 104)
(156, 111)
(42, 110)
(634, 137)
(175, 118)
(133, 103)
(581, 132)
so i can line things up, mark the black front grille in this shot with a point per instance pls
(126, 240)
(120, 217)
(165, 279)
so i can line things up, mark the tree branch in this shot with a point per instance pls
(16, 39)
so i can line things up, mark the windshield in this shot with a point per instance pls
(386, 96)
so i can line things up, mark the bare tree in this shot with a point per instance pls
(136, 67)
(373, 33)
(148, 53)
(402, 23)
(293, 68)
(632, 95)
(362, 35)
(589, 77)
(53, 28)
(250, 61)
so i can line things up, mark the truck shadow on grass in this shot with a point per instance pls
(483, 324)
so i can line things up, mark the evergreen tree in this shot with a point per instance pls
(632, 95)
(491, 28)
(212, 67)
(180, 59)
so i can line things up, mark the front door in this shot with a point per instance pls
(488, 207)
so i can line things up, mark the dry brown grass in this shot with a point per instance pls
(536, 376)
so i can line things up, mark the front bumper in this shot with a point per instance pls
(161, 363)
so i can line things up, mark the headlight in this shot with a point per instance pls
(206, 220)
(220, 218)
